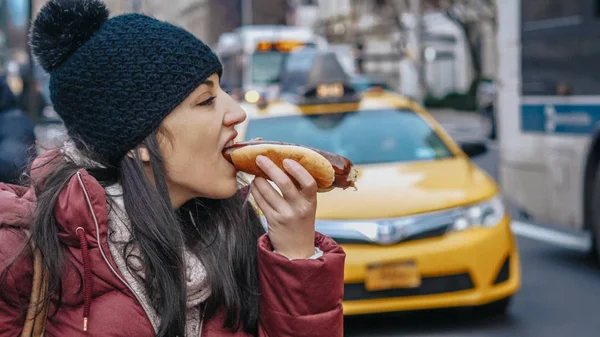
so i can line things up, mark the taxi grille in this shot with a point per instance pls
(436, 232)
(429, 286)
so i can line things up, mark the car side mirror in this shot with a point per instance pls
(473, 149)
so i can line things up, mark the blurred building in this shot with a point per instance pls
(115, 6)
(15, 63)
(385, 38)
(303, 13)
(14, 18)
(208, 19)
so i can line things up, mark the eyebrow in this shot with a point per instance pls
(210, 83)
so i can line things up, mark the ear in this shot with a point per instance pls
(142, 153)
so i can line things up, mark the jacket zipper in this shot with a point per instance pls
(202, 309)
(89, 203)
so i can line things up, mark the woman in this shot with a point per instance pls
(140, 220)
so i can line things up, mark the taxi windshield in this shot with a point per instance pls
(364, 137)
(267, 66)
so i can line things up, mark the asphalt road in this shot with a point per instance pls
(559, 296)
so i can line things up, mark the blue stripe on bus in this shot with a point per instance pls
(533, 118)
(560, 118)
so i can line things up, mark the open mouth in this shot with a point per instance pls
(227, 149)
(229, 144)
(232, 145)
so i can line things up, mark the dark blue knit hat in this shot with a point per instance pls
(114, 80)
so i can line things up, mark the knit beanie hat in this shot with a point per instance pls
(113, 81)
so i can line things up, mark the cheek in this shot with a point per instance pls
(188, 155)
(191, 160)
(190, 139)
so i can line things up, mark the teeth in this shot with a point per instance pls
(230, 143)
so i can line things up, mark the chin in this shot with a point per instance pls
(225, 190)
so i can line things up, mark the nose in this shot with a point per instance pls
(235, 114)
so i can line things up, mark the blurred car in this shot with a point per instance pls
(426, 228)
(253, 57)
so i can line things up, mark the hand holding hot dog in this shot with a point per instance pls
(291, 214)
(300, 172)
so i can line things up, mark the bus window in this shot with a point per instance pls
(534, 10)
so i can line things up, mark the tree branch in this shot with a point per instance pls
(450, 15)
(468, 31)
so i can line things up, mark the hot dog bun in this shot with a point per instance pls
(244, 159)
(328, 169)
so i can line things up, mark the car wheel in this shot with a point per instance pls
(595, 204)
(498, 308)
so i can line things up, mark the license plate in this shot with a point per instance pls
(392, 276)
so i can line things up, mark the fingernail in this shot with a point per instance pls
(261, 160)
(287, 163)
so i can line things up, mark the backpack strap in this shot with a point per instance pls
(37, 311)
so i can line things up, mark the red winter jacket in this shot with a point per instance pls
(298, 297)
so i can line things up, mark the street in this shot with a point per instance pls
(558, 296)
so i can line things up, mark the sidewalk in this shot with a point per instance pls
(451, 116)
(462, 124)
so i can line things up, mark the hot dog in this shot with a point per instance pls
(329, 170)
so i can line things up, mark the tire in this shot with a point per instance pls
(498, 308)
(595, 205)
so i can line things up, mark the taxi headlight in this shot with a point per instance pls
(485, 214)
(252, 96)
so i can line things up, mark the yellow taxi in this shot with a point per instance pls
(425, 228)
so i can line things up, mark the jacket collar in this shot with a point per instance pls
(82, 203)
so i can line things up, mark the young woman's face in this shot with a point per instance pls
(197, 131)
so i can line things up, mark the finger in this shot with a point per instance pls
(280, 178)
(308, 185)
(263, 204)
(269, 194)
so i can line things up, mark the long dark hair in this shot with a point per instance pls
(222, 233)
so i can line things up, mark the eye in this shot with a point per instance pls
(208, 101)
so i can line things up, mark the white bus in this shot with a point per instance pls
(253, 56)
(548, 110)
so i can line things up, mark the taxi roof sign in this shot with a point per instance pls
(288, 45)
(264, 46)
(316, 77)
(284, 46)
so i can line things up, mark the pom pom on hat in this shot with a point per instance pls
(62, 26)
